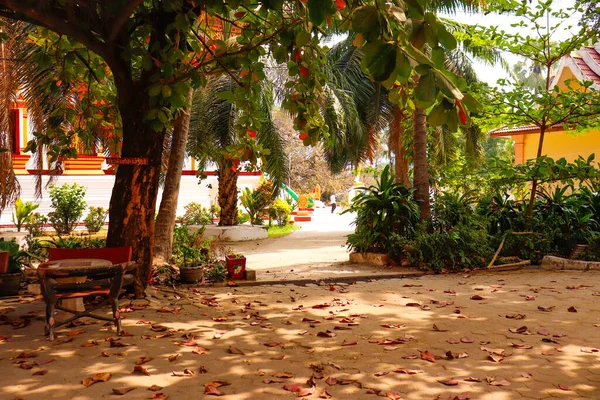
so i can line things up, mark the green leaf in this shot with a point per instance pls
(226, 95)
(365, 19)
(155, 90)
(445, 38)
(438, 57)
(318, 10)
(302, 38)
(471, 103)
(379, 60)
(166, 91)
(425, 92)
(437, 116)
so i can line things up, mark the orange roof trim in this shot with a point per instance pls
(522, 130)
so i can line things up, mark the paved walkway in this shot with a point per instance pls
(317, 251)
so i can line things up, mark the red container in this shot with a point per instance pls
(3, 262)
(236, 267)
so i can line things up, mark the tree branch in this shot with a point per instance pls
(119, 22)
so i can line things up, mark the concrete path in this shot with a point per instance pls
(321, 241)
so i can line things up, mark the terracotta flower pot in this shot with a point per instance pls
(9, 284)
(3, 262)
(191, 275)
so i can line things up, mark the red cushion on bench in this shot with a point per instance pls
(116, 255)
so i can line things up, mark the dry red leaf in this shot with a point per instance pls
(349, 343)
(563, 387)
(381, 373)
(449, 382)
(294, 388)
(502, 382)
(143, 360)
(185, 372)
(331, 381)
(589, 350)
(138, 369)
(272, 344)
(522, 346)
(123, 391)
(571, 309)
(546, 309)
(173, 357)
(212, 388)
(393, 396)
(27, 355)
(40, 372)
(327, 334)
(427, 356)
(543, 332)
(324, 395)
(453, 341)
(235, 350)
(155, 388)
(472, 379)
(466, 340)
(200, 350)
(101, 377)
(520, 330)
(409, 371)
(437, 329)
(477, 297)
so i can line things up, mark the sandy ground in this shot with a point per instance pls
(388, 338)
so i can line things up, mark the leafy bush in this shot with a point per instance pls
(95, 219)
(71, 242)
(242, 217)
(36, 224)
(17, 258)
(593, 253)
(465, 246)
(382, 210)
(67, 201)
(280, 212)
(531, 246)
(215, 272)
(195, 214)
(23, 212)
(189, 249)
(257, 201)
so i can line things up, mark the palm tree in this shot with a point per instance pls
(212, 132)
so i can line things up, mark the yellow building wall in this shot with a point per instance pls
(563, 144)
(565, 75)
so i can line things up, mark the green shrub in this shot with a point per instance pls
(23, 212)
(465, 246)
(68, 204)
(17, 258)
(242, 217)
(215, 272)
(195, 214)
(189, 249)
(382, 210)
(95, 219)
(280, 212)
(71, 242)
(593, 253)
(257, 201)
(36, 224)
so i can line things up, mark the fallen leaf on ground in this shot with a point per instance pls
(331, 381)
(122, 391)
(159, 396)
(563, 387)
(212, 388)
(327, 334)
(427, 356)
(409, 371)
(185, 372)
(571, 309)
(200, 350)
(143, 360)
(520, 330)
(502, 382)
(466, 340)
(477, 297)
(173, 357)
(522, 346)
(235, 350)
(272, 344)
(296, 387)
(349, 343)
(589, 350)
(284, 375)
(546, 309)
(472, 379)
(155, 388)
(40, 372)
(140, 370)
(437, 329)
(449, 382)
(101, 377)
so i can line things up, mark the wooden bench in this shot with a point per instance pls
(105, 281)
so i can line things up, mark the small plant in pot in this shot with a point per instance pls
(236, 266)
(191, 253)
(12, 261)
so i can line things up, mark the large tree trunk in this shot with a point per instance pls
(421, 178)
(167, 212)
(133, 200)
(228, 197)
(400, 160)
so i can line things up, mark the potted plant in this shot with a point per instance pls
(191, 253)
(15, 260)
(236, 266)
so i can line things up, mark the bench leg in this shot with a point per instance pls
(116, 314)
(50, 320)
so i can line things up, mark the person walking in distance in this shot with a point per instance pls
(333, 203)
